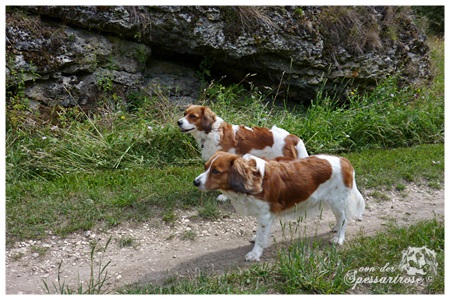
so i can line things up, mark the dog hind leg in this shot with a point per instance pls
(341, 224)
(339, 211)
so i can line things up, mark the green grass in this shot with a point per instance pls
(127, 241)
(394, 167)
(315, 267)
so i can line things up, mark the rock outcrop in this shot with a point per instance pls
(71, 55)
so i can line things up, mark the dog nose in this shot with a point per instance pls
(196, 182)
(180, 122)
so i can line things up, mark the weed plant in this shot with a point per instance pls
(96, 284)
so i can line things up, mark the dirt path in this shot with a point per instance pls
(160, 251)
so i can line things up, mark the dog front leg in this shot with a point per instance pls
(261, 239)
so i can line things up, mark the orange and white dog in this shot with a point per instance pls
(212, 133)
(267, 189)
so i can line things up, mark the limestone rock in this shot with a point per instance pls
(72, 54)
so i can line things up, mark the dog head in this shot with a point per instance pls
(229, 172)
(197, 118)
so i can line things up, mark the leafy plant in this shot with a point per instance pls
(105, 83)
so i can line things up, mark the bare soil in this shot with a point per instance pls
(155, 251)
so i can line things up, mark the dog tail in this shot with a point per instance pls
(356, 204)
(301, 149)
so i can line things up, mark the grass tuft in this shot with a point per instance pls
(97, 283)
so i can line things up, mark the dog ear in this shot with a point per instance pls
(244, 177)
(208, 118)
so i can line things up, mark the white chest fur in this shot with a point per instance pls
(209, 143)
(248, 205)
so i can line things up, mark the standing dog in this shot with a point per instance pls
(212, 133)
(269, 189)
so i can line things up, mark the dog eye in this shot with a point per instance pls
(214, 171)
(193, 117)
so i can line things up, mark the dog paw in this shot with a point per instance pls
(337, 241)
(253, 256)
(222, 198)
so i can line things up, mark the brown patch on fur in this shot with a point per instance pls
(201, 116)
(244, 140)
(287, 183)
(227, 140)
(283, 158)
(347, 172)
(289, 149)
(257, 138)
